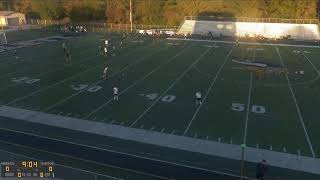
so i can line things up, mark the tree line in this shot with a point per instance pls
(169, 12)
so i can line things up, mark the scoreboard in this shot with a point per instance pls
(27, 169)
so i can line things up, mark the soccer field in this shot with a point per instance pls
(158, 79)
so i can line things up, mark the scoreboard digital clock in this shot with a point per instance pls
(27, 169)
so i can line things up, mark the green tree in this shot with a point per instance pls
(117, 11)
(149, 12)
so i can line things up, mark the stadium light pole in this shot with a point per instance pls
(131, 15)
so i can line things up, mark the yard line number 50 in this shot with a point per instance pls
(254, 108)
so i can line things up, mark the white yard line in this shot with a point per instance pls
(52, 85)
(248, 111)
(68, 167)
(207, 93)
(61, 68)
(230, 151)
(298, 109)
(48, 72)
(314, 67)
(171, 86)
(248, 102)
(248, 43)
(59, 82)
(90, 161)
(49, 63)
(102, 80)
(122, 153)
(132, 85)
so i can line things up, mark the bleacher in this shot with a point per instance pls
(274, 30)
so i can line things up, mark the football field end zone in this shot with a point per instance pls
(276, 159)
(246, 43)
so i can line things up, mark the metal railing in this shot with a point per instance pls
(247, 19)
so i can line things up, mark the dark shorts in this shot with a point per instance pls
(199, 99)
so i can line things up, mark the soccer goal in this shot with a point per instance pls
(3, 38)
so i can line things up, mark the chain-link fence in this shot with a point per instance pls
(99, 26)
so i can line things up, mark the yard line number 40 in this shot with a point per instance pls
(85, 87)
(154, 96)
(254, 108)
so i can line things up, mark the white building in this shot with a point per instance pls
(11, 18)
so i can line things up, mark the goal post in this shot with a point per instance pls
(3, 38)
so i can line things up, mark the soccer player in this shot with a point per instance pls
(100, 50)
(115, 94)
(64, 47)
(68, 57)
(301, 72)
(106, 42)
(16, 54)
(199, 98)
(105, 51)
(105, 72)
(237, 42)
(113, 50)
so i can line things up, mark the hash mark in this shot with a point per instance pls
(162, 130)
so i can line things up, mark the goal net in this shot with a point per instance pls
(3, 38)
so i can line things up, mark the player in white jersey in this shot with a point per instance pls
(105, 72)
(105, 49)
(199, 98)
(115, 94)
(106, 42)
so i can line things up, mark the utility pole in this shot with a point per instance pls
(131, 15)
